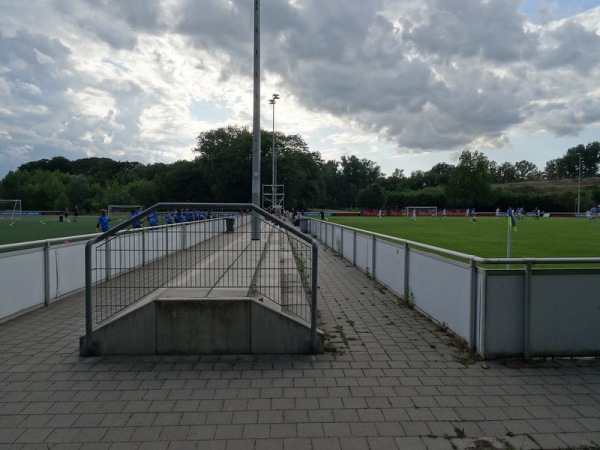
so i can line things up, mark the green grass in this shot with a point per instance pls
(34, 228)
(543, 238)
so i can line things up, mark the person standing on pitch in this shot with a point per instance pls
(103, 220)
(136, 223)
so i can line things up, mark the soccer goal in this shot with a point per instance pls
(421, 211)
(10, 209)
(121, 210)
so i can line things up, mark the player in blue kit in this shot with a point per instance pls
(103, 221)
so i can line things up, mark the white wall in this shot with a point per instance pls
(497, 312)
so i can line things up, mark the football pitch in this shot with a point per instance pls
(546, 237)
(35, 228)
(543, 238)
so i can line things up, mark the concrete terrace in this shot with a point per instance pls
(394, 381)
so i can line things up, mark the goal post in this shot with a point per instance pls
(121, 210)
(421, 211)
(11, 209)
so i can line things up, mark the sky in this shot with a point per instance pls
(405, 84)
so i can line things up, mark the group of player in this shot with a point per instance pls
(175, 216)
(185, 215)
(591, 214)
(65, 214)
(471, 213)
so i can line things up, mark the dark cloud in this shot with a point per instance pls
(490, 30)
(571, 47)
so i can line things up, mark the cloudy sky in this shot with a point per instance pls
(406, 84)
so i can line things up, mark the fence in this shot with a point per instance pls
(528, 311)
(35, 273)
(243, 248)
(498, 312)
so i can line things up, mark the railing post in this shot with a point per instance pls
(527, 312)
(406, 269)
(334, 230)
(90, 347)
(143, 246)
(47, 273)
(313, 296)
(354, 248)
(473, 306)
(107, 260)
(373, 256)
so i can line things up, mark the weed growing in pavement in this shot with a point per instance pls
(407, 300)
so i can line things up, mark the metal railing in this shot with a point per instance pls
(460, 291)
(241, 248)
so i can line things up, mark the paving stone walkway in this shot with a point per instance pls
(391, 380)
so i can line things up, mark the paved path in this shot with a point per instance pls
(394, 381)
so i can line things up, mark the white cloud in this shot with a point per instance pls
(378, 79)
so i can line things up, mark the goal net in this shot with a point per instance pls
(10, 209)
(121, 210)
(421, 211)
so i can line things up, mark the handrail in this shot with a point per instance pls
(203, 206)
(466, 256)
(45, 242)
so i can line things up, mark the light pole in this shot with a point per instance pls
(256, 125)
(274, 168)
(579, 185)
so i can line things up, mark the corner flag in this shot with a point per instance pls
(512, 225)
(510, 216)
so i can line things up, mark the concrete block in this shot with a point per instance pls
(202, 326)
(274, 332)
(130, 334)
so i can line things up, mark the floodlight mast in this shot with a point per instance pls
(273, 100)
(255, 233)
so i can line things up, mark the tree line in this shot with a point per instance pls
(221, 172)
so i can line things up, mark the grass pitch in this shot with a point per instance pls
(34, 228)
(543, 238)
(547, 237)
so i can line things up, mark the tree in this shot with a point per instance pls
(356, 174)
(183, 181)
(505, 173)
(372, 197)
(144, 192)
(416, 180)
(225, 157)
(526, 171)
(569, 165)
(78, 191)
(331, 185)
(299, 171)
(225, 161)
(439, 175)
(470, 185)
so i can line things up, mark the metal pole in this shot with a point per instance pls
(47, 273)
(579, 185)
(274, 168)
(527, 312)
(313, 297)
(473, 307)
(256, 124)
(89, 336)
(274, 174)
